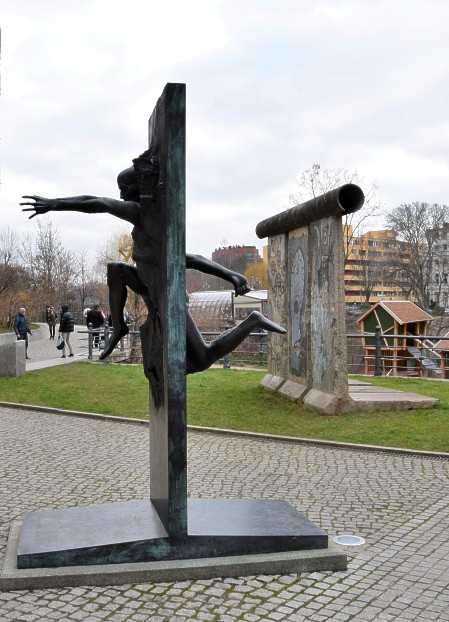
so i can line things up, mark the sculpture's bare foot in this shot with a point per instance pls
(115, 338)
(264, 322)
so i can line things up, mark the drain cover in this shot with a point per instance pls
(348, 539)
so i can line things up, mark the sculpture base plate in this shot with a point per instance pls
(131, 531)
(289, 562)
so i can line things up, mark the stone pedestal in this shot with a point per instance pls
(132, 531)
(12, 356)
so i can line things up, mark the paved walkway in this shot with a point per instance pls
(43, 353)
(398, 503)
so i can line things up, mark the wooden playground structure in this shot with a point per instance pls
(395, 337)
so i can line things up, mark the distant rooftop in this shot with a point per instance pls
(225, 296)
(403, 311)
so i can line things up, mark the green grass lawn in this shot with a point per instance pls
(234, 399)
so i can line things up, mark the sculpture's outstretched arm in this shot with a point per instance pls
(126, 210)
(196, 262)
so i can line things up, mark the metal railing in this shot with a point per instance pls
(97, 340)
(252, 352)
(375, 353)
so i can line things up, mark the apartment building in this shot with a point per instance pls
(372, 268)
(439, 287)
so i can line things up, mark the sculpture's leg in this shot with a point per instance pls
(200, 355)
(120, 276)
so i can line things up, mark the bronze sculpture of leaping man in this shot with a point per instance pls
(199, 355)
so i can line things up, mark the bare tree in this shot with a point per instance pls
(84, 282)
(420, 226)
(8, 260)
(370, 277)
(52, 269)
(375, 274)
(316, 180)
(13, 278)
(117, 247)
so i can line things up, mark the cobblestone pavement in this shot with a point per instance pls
(398, 503)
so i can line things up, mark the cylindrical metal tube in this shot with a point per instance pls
(338, 202)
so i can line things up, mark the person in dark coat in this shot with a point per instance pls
(96, 320)
(50, 316)
(66, 328)
(22, 329)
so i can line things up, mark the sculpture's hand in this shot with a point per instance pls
(40, 205)
(240, 284)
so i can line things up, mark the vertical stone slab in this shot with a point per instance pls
(12, 356)
(278, 296)
(316, 353)
(298, 304)
(163, 335)
(328, 367)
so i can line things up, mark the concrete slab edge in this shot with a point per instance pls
(156, 572)
(372, 406)
(74, 413)
(300, 440)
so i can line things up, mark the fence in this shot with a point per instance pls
(377, 353)
(98, 338)
(252, 352)
(388, 354)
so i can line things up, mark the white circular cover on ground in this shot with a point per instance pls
(348, 539)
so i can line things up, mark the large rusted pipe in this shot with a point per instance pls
(338, 202)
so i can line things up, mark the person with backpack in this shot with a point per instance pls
(66, 328)
(95, 320)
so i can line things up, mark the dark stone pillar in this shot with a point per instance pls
(164, 334)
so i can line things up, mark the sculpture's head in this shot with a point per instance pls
(127, 183)
(144, 170)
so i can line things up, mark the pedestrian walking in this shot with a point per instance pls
(95, 318)
(66, 328)
(22, 328)
(50, 316)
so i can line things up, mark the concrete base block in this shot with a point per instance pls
(12, 358)
(272, 383)
(326, 403)
(132, 531)
(390, 400)
(293, 390)
(289, 562)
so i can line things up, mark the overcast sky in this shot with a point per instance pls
(272, 87)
